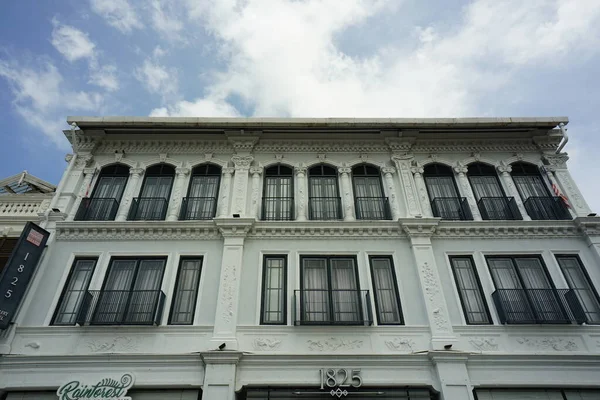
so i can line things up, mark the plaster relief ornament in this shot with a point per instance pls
(266, 344)
(400, 344)
(105, 389)
(333, 344)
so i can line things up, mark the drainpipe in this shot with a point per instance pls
(565, 139)
(65, 176)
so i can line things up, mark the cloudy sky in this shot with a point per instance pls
(295, 58)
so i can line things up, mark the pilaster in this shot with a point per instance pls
(420, 232)
(453, 375)
(403, 165)
(301, 190)
(225, 192)
(348, 204)
(422, 191)
(388, 174)
(132, 184)
(240, 183)
(220, 374)
(511, 189)
(467, 190)
(255, 209)
(177, 195)
(590, 227)
(88, 175)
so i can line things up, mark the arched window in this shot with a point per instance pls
(490, 197)
(104, 201)
(203, 192)
(323, 193)
(537, 199)
(154, 197)
(446, 202)
(278, 194)
(368, 193)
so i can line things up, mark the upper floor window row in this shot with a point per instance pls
(492, 201)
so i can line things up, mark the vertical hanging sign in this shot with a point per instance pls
(19, 270)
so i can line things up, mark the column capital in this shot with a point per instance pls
(422, 228)
(228, 171)
(89, 171)
(556, 161)
(417, 170)
(301, 170)
(504, 169)
(182, 171)
(461, 169)
(83, 160)
(256, 171)
(388, 170)
(242, 162)
(344, 170)
(136, 171)
(234, 227)
(403, 161)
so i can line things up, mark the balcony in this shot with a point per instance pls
(97, 209)
(277, 208)
(373, 208)
(148, 209)
(197, 208)
(499, 208)
(547, 208)
(452, 208)
(325, 208)
(538, 306)
(121, 307)
(332, 307)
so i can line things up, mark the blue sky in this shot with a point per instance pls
(295, 58)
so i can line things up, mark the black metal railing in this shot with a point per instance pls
(503, 208)
(454, 208)
(538, 306)
(332, 307)
(325, 208)
(277, 208)
(97, 209)
(547, 208)
(121, 307)
(148, 209)
(194, 208)
(372, 208)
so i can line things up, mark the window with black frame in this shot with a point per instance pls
(446, 202)
(74, 291)
(385, 291)
(202, 195)
(131, 294)
(489, 194)
(185, 294)
(278, 194)
(525, 294)
(103, 204)
(274, 290)
(330, 292)
(323, 193)
(580, 283)
(369, 198)
(536, 196)
(470, 291)
(154, 196)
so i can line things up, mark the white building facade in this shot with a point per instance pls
(199, 258)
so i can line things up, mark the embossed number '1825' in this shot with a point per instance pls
(332, 377)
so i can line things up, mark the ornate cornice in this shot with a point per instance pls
(326, 229)
(506, 229)
(470, 145)
(589, 225)
(419, 227)
(233, 227)
(321, 146)
(150, 146)
(136, 230)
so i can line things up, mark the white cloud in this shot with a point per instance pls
(158, 79)
(42, 100)
(197, 108)
(104, 77)
(166, 22)
(72, 43)
(117, 13)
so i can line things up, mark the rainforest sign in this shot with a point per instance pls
(105, 389)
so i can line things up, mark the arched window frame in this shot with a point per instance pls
(202, 195)
(279, 207)
(324, 207)
(103, 202)
(376, 206)
(153, 207)
(451, 206)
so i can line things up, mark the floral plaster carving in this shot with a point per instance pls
(228, 293)
(117, 345)
(400, 344)
(555, 344)
(432, 291)
(266, 344)
(333, 344)
(484, 344)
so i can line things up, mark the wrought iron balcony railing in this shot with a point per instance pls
(325, 208)
(97, 209)
(195, 208)
(547, 208)
(499, 208)
(538, 306)
(453, 208)
(148, 209)
(332, 307)
(372, 208)
(121, 307)
(277, 208)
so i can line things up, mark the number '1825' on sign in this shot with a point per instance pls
(340, 377)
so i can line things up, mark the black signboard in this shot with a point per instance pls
(19, 270)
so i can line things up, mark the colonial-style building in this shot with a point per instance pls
(216, 258)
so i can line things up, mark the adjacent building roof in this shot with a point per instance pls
(24, 183)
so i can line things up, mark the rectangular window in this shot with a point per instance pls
(387, 301)
(579, 281)
(186, 291)
(74, 291)
(470, 291)
(274, 291)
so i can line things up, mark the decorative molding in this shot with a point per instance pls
(83, 160)
(266, 344)
(556, 161)
(244, 144)
(256, 170)
(428, 146)
(548, 343)
(484, 344)
(150, 146)
(326, 229)
(434, 295)
(506, 229)
(120, 344)
(228, 284)
(242, 162)
(400, 344)
(420, 227)
(388, 170)
(589, 226)
(234, 227)
(321, 146)
(334, 344)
